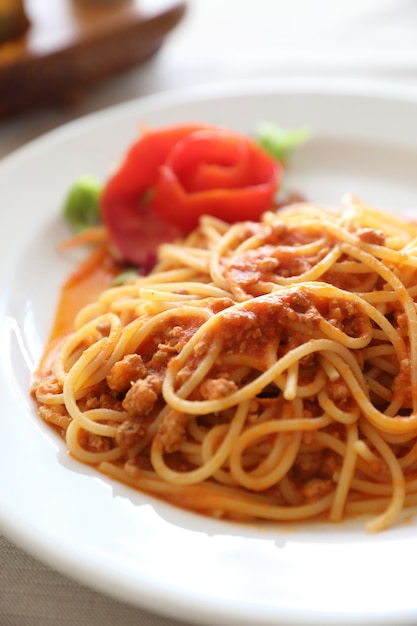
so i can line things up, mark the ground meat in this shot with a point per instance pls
(401, 321)
(129, 433)
(307, 465)
(329, 465)
(134, 467)
(215, 388)
(369, 235)
(95, 443)
(142, 396)
(316, 489)
(267, 265)
(183, 375)
(338, 391)
(175, 332)
(401, 386)
(126, 371)
(347, 316)
(292, 265)
(171, 432)
(175, 343)
(55, 414)
(277, 232)
(48, 386)
(96, 400)
(131, 469)
(300, 301)
(202, 346)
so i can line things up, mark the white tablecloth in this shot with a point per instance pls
(219, 40)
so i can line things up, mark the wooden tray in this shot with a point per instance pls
(71, 45)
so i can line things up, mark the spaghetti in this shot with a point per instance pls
(263, 370)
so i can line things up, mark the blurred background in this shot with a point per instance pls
(168, 44)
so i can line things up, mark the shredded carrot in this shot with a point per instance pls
(93, 235)
(94, 263)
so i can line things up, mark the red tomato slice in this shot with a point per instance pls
(231, 205)
(210, 159)
(215, 172)
(134, 229)
(191, 170)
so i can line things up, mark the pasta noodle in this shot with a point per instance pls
(260, 371)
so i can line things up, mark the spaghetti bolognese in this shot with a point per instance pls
(262, 370)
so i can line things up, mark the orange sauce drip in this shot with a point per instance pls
(82, 287)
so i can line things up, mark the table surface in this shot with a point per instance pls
(217, 41)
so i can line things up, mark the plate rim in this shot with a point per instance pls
(343, 87)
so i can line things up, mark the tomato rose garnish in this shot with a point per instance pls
(172, 176)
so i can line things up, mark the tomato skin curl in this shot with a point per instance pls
(215, 172)
(127, 215)
(190, 170)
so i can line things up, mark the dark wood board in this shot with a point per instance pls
(71, 45)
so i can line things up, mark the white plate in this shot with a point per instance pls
(127, 544)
